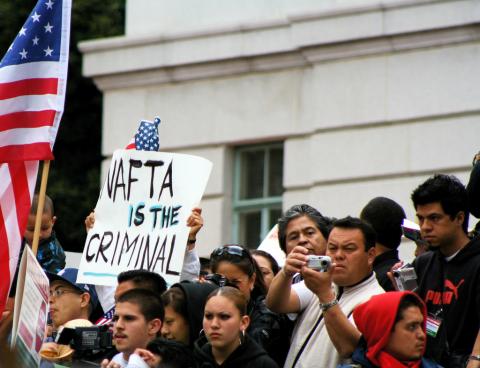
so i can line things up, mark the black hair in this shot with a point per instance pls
(150, 303)
(273, 263)
(144, 279)
(175, 299)
(324, 224)
(355, 223)
(204, 266)
(447, 190)
(244, 262)
(174, 354)
(386, 217)
(408, 300)
(47, 207)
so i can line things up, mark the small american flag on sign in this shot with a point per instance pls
(146, 138)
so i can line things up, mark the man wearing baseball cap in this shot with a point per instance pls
(68, 299)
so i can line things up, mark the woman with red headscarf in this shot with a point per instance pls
(393, 332)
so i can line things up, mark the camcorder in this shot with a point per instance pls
(405, 278)
(319, 263)
(86, 341)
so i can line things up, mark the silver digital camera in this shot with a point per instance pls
(319, 263)
(406, 278)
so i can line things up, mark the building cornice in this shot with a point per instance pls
(296, 42)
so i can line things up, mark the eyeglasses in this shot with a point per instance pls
(233, 250)
(59, 292)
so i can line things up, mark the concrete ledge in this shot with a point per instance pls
(297, 41)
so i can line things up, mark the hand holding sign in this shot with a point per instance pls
(195, 223)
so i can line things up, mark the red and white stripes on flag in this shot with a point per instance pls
(16, 190)
(33, 81)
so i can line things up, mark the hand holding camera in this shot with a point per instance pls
(296, 259)
(317, 274)
(405, 278)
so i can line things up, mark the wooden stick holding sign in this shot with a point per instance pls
(41, 203)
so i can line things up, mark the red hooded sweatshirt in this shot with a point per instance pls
(375, 319)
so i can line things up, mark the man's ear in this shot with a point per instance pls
(54, 218)
(85, 300)
(460, 218)
(154, 326)
(371, 253)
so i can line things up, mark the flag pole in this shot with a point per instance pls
(41, 203)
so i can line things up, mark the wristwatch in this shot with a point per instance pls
(327, 306)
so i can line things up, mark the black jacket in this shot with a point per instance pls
(248, 354)
(451, 290)
(270, 330)
(382, 264)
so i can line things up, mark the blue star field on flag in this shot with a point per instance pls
(146, 138)
(39, 38)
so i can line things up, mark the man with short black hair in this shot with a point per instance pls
(449, 276)
(137, 320)
(386, 217)
(323, 327)
(140, 279)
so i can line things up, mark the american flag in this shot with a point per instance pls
(107, 318)
(146, 138)
(33, 78)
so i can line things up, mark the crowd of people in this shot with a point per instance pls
(239, 308)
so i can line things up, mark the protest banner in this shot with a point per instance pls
(30, 314)
(141, 214)
(270, 245)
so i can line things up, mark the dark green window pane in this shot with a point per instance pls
(275, 174)
(251, 174)
(250, 228)
(275, 214)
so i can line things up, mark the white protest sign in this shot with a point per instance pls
(30, 313)
(141, 214)
(271, 245)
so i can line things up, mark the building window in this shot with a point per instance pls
(257, 192)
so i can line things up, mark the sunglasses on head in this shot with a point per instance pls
(233, 250)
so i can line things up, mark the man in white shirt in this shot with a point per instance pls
(325, 300)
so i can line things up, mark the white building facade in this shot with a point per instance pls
(324, 102)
